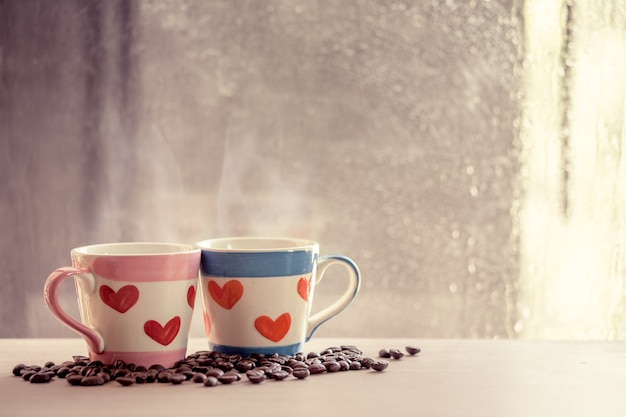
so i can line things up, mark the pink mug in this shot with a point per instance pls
(135, 300)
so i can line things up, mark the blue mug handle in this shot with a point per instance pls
(354, 284)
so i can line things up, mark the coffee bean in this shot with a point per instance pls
(96, 364)
(233, 372)
(256, 376)
(301, 373)
(269, 369)
(227, 378)
(125, 380)
(211, 368)
(47, 372)
(224, 365)
(77, 369)
(331, 366)
(287, 369)
(215, 372)
(199, 378)
(298, 364)
(120, 372)
(104, 375)
(177, 378)
(40, 377)
(367, 362)
(28, 374)
(317, 368)
(80, 360)
(74, 379)
(94, 380)
(244, 365)
(140, 377)
(53, 368)
(158, 367)
(164, 376)
(185, 371)
(412, 350)
(380, 365)
(280, 374)
(17, 370)
(355, 366)
(351, 348)
(63, 371)
(395, 353)
(234, 358)
(211, 381)
(151, 375)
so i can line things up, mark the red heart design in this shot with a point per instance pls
(304, 288)
(207, 324)
(273, 330)
(162, 334)
(191, 296)
(228, 295)
(122, 300)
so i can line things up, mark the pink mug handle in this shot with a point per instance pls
(51, 289)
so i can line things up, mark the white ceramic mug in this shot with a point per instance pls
(257, 293)
(136, 300)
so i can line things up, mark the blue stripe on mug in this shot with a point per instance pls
(266, 350)
(256, 264)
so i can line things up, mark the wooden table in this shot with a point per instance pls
(448, 378)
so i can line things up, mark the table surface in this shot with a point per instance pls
(466, 377)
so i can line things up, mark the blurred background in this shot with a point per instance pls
(467, 154)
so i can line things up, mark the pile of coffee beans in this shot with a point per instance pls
(212, 368)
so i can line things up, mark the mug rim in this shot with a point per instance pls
(271, 244)
(124, 249)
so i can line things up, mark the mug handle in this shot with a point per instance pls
(51, 289)
(346, 298)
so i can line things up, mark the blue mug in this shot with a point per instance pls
(257, 293)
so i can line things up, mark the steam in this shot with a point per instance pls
(256, 194)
